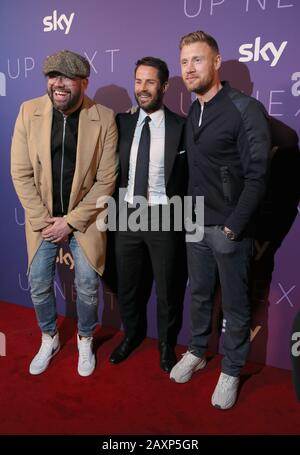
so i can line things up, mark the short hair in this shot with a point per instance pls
(160, 65)
(199, 36)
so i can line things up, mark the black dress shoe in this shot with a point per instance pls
(124, 349)
(167, 356)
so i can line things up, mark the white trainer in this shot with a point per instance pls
(184, 369)
(49, 347)
(87, 360)
(225, 393)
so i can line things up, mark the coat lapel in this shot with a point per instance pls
(41, 129)
(88, 135)
(172, 139)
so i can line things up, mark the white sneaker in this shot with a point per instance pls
(87, 360)
(225, 392)
(184, 369)
(49, 347)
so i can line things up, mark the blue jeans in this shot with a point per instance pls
(230, 259)
(41, 280)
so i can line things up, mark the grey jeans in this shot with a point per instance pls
(216, 255)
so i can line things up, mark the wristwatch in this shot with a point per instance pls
(229, 234)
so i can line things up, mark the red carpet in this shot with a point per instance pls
(132, 398)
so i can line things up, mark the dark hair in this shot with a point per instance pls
(160, 65)
(201, 37)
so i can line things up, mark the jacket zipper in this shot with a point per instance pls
(62, 163)
(201, 114)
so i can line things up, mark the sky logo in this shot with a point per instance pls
(256, 51)
(53, 23)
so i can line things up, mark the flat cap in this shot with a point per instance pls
(67, 63)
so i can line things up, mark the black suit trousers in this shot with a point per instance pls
(165, 249)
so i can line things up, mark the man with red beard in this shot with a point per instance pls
(152, 170)
(228, 143)
(63, 160)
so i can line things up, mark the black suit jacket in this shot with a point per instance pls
(175, 152)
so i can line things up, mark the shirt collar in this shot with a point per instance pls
(219, 95)
(156, 117)
(58, 114)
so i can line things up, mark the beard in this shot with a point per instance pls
(152, 104)
(202, 84)
(200, 87)
(203, 87)
(67, 105)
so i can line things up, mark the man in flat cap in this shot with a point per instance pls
(63, 160)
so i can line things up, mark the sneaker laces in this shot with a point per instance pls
(188, 358)
(45, 347)
(85, 349)
(226, 381)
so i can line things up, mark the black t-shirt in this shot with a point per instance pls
(64, 136)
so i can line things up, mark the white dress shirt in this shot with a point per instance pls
(156, 180)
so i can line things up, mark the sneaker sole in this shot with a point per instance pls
(187, 378)
(86, 373)
(224, 408)
(217, 406)
(35, 372)
(89, 372)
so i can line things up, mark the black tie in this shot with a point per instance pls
(142, 161)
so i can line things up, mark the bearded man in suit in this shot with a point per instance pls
(152, 168)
